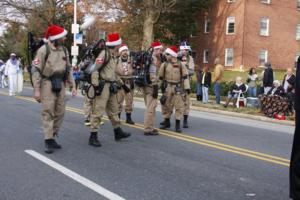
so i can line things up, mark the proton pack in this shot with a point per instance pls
(141, 64)
(88, 60)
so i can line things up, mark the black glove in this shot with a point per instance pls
(155, 91)
(188, 91)
(125, 88)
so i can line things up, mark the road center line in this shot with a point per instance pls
(196, 140)
(76, 177)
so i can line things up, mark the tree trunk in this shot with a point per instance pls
(148, 30)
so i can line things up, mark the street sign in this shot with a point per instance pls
(75, 28)
(78, 38)
(74, 50)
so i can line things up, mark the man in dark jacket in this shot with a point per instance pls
(205, 82)
(268, 78)
(295, 157)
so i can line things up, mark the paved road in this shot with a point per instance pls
(217, 158)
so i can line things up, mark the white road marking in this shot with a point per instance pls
(73, 175)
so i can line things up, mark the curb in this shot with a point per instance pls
(234, 114)
(222, 112)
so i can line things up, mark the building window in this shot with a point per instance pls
(229, 57)
(264, 26)
(230, 25)
(298, 4)
(265, 1)
(207, 26)
(263, 57)
(230, 1)
(205, 56)
(298, 32)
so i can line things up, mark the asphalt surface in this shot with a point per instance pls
(217, 158)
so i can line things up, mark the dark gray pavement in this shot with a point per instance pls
(167, 167)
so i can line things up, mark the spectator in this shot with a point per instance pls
(76, 75)
(274, 102)
(288, 81)
(2, 76)
(276, 89)
(14, 73)
(235, 90)
(205, 83)
(218, 74)
(199, 87)
(268, 77)
(252, 82)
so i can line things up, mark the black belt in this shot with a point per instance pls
(172, 83)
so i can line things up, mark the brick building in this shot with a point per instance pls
(248, 33)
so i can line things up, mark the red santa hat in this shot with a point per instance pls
(172, 51)
(156, 45)
(123, 47)
(113, 39)
(55, 32)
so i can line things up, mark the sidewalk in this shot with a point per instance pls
(229, 113)
(198, 106)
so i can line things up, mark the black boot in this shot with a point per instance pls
(120, 134)
(128, 119)
(93, 141)
(54, 145)
(166, 124)
(177, 128)
(185, 121)
(48, 147)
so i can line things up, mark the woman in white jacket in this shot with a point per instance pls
(13, 70)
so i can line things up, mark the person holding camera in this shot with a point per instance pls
(50, 72)
(252, 82)
(188, 61)
(176, 86)
(150, 91)
(106, 83)
(125, 71)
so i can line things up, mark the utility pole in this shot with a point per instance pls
(75, 31)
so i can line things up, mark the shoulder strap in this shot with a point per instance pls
(165, 67)
(46, 57)
(181, 68)
(107, 58)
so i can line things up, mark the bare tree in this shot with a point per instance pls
(152, 12)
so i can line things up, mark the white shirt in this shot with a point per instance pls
(286, 84)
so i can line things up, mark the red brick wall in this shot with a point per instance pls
(246, 42)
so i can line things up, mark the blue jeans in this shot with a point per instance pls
(217, 88)
(252, 92)
(199, 89)
(204, 94)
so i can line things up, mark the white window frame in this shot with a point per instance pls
(261, 31)
(228, 21)
(298, 32)
(230, 1)
(206, 26)
(265, 1)
(266, 55)
(205, 58)
(298, 4)
(227, 64)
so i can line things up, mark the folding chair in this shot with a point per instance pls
(241, 99)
